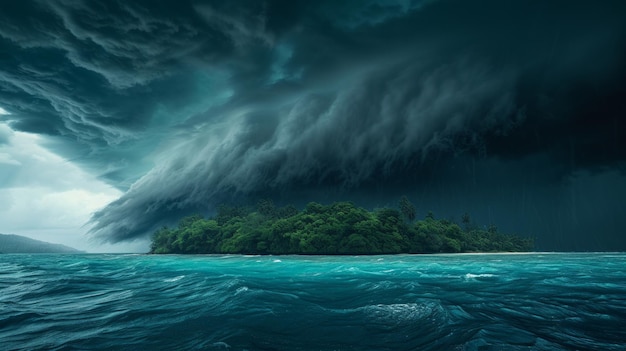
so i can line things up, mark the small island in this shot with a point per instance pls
(11, 243)
(340, 228)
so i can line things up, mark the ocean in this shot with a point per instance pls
(538, 301)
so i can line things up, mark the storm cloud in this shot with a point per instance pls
(511, 110)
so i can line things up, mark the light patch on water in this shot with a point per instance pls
(220, 345)
(401, 312)
(242, 289)
(471, 276)
(175, 279)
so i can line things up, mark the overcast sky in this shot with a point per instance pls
(118, 117)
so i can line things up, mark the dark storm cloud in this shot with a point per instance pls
(210, 101)
(102, 75)
(339, 137)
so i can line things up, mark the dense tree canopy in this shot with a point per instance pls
(339, 228)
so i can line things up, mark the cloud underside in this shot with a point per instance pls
(184, 106)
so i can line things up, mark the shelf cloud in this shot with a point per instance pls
(183, 105)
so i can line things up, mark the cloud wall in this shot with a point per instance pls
(187, 104)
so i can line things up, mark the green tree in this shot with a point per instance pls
(466, 220)
(407, 208)
(266, 208)
(338, 228)
(225, 213)
(160, 240)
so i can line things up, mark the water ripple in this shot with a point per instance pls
(430, 302)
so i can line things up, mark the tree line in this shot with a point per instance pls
(340, 228)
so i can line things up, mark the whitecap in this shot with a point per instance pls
(241, 290)
(469, 276)
(400, 312)
(169, 280)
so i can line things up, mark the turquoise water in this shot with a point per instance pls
(405, 302)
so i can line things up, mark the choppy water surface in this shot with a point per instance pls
(406, 302)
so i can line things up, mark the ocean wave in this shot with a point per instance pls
(470, 276)
(465, 302)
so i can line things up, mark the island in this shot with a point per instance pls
(11, 243)
(340, 228)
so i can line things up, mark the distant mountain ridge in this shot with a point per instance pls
(11, 243)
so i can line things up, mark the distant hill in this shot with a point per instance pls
(10, 243)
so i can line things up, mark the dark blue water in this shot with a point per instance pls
(420, 302)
